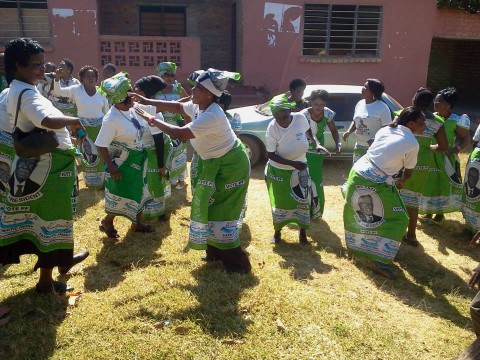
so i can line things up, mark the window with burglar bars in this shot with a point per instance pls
(24, 18)
(163, 21)
(341, 30)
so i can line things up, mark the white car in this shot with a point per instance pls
(342, 100)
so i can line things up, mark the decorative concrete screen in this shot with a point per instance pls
(140, 53)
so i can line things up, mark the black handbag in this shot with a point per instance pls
(33, 143)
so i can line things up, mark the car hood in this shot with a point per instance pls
(249, 114)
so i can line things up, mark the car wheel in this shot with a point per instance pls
(254, 151)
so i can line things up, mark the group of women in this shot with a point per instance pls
(120, 126)
(131, 134)
(404, 164)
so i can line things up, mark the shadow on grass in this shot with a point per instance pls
(450, 236)
(135, 250)
(88, 198)
(31, 331)
(326, 239)
(430, 287)
(218, 294)
(303, 260)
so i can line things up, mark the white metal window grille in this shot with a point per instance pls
(342, 30)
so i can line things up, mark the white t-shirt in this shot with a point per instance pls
(118, 126)
(4, 122)
(290, 143)
(369, 118)
(394, 149)
(214, 136)
(327, 112)
(89, 107)
(476, 137)
(33, 109)
(150, 130)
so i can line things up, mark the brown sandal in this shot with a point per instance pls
(112, 233)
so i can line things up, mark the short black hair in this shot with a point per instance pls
(423, 98)
(319, 94)
(408, 114)
(376, 87)
(84, 69)
(69, 63)
(296, 83)
(450, 95)
(18, 51)
(225, 100)
(110, 66)
(151, 85)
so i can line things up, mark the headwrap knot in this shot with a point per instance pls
(280, 102)
(116, 87)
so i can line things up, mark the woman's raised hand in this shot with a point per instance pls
(138, 98)
(150, 119)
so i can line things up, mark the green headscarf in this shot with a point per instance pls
(116, 87)
(280, 102)
(166, 67)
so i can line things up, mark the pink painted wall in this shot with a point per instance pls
(407, 30)
(74, 32)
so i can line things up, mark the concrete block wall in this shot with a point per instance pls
(210, 20)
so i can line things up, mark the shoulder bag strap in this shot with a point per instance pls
(18, 107)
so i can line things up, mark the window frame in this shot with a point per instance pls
(161, 9)
(20, 6)
(355, 52)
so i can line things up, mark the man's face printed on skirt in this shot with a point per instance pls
(303, 178)
(365, 203)
(472, 177)
(87, 148)
(24, 168)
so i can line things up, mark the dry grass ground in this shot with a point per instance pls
(149, 297)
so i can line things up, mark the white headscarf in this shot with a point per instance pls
(216, 81)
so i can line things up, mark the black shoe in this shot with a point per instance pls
(302, 237)
(77, 258)
(277, 238)
(56, 287)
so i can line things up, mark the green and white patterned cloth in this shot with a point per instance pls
(417, 192)
(93, 167)
(157, 185)
(121, 198)
(471, 192)
(6, 158)
(375, 230)
(218, 200)
(291, 202)
(445, 185)
(314, 159)
(39, 207)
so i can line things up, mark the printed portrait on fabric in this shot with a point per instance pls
(472, 177)
(29, 175)
(301, 186)
(4, 172)
(368, 207)
(90, 152)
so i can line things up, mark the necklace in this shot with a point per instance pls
(134, 121)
